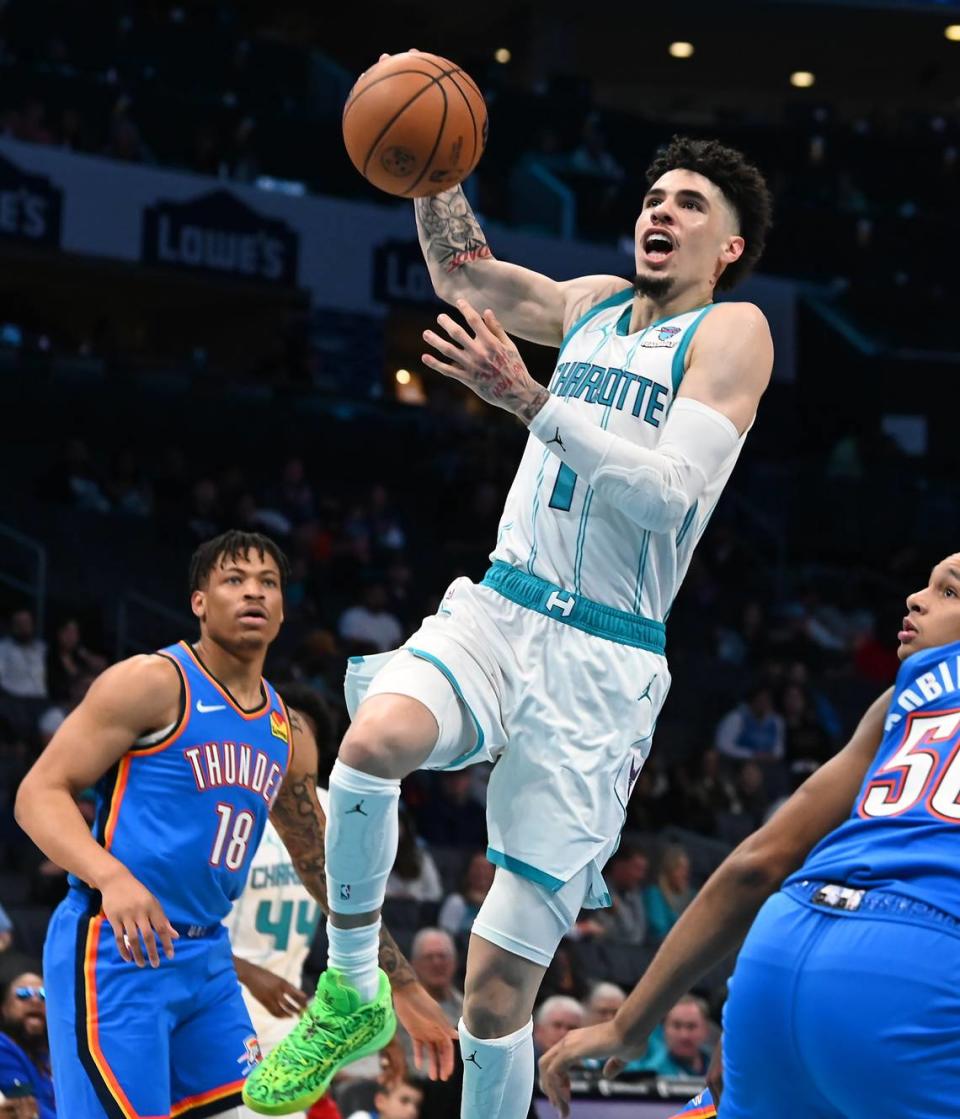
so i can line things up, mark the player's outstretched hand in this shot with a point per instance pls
(427, 1025)
(281, 998)
(603, 1040)
(486, 361)
(135, 915)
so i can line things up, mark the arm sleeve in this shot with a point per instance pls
(655, 487)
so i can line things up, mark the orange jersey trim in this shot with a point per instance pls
(257, 711)
(93, 1023)
(116, 798)
(206, 1097)
(181, 724)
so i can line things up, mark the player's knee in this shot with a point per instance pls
(389, 739)
(495, 1010)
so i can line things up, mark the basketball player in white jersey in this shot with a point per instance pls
(554, 664)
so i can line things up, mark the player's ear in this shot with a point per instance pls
(198, 603)
(733, 249)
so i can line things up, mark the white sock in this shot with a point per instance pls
(361, 844)
(355, 953)
(497, 1074)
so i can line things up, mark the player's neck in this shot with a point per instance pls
(240, 674)
(646, 310)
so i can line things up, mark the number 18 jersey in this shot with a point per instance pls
(184, 810)
(903, 834)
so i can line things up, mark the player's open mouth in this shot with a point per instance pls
(253, 614)
(658, 246)
(908, 632)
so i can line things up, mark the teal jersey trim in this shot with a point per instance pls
(525, 870)
(536, 509)
(687, 522)
(641, 568)
(594, 618)
(611, 301)
(584, 515)
(454, 683)
(356, 660)
(680, 355)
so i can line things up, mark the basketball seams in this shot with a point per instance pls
(396, 116)
(436, 143)
(473, 119)
(355, 97)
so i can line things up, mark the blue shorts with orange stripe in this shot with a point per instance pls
(143, 1043)
(839, 1014)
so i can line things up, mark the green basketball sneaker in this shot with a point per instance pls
(335, 1028)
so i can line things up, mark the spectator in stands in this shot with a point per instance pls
(453, 817)
(414, 874)
(23, 658)
(603, 1002)
(294, 495)
(459, 910)
(753, 729)
(69, 659)
(747, 643)
(6, 930)
(626, 876)
(873, 660)
(566, 974)
(706, 794)
(400, 1101)
(128, 487)
(24, 1050)
(591, 156)
(670, 895)
(805, 735)
(369, 627)
(205, 518)
(752, 795)
(553, 1020)
(685, 1033)
(51, 718)
(433, 956)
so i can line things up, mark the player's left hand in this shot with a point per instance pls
(603, 1040)
(427, 1025)
(281, 998)
(487, 362)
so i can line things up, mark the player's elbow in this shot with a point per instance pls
(757, 869)
(654, 497)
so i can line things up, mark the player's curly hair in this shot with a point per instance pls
(234, 545)
(742, 184)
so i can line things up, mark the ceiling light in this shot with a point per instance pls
(802, 79)
(952, 32)
(403, 376)
(502, 55)
(681, 50)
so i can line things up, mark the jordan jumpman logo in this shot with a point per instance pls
(556, 439)
(358, 807)
(473, 1058)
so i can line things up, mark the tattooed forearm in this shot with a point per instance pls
(393, 961)
(299, 819)
(450, 235)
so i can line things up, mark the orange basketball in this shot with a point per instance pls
(415, 124)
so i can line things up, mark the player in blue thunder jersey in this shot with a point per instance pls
(845, 1002)
(190, 749)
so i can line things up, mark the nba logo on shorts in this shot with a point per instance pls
(345, 892)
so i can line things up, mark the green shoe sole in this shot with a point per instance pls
(301, 1103)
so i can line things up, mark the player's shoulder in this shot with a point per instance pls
(732, 315)
(150, 680)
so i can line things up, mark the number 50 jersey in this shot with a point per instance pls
(184, 809)
(904, 831)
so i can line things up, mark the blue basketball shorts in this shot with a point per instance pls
(844, 1014)
(143, 1043)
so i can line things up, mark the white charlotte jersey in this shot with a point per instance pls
(553, 524)
(272, 924)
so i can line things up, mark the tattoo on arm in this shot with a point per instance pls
(450, 233)
(298, 818)
(393, 961)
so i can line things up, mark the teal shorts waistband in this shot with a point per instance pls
(574, 610)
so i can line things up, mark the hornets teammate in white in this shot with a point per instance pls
(554, 664)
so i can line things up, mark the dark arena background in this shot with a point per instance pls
(209, 320)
